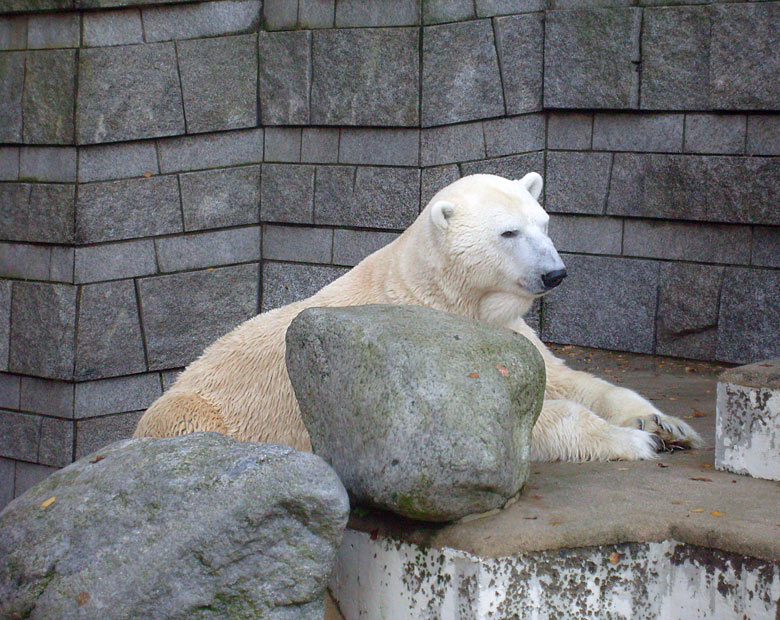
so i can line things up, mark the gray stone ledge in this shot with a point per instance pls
(9, 163)
(117, 161)
(380, 147)
(284, 283)
(452, 143)
(10, 387)
(715, 134)
(52, 31)
(220, 198)
(116, 395)
(47, 163)
(362, 13)
(763, 134)
(40, 212)
(25, 261)
(569, 131)
(105, 28)
(352, 246)
(13, 32)
(766, 246)
(320, 145)
(298, 244)
(282, 144)
(214, 150)
(115, 261)
(208, 249)
(638, 132)
(54, 398)
(316, 13)
(204, 19)
(585, 234)
(95, 433)
(513, 135)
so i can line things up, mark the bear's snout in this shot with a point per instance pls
(553, 278)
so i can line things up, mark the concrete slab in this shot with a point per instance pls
(679, 500)
(747, 433)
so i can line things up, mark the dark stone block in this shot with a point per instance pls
(583, 312)
(569, 131)
(43, 326)
(638, 132)
(763, 134)
(352, 246)
(461, 80)
(109, 338)
(298, 243)
(705, 243)
(586, 234)
(512, 167)
(52, 398)
(128, 92)
(739, 190)
(452, 143)
(285, 77)
(749, 316)
(30, 474)
(184, 313)
(49, 90)
(766, 246)
(287, 194)
(744, 64)
(688, 310)
(284, 283)
(367, 196)
(213, 150)
(520, 41)
(381, 147)
(126, 209)
(219, 82)
(21, 435)
(434, 179)
(5, 322)
(517, 134)
(589, 58)
(11, 88)
(199, 19)
(282, 144)
(372, 13)
(441, 11)
(115, 260)
(208, 249)
(716, 133)
(95, 433)
(56, 444)
(120, 394)
(117, 161)
(365, 77)
(9, 391)
(675, 58)
(37, 212)
(316, 13)
(217, 198)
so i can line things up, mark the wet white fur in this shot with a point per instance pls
(452, 258)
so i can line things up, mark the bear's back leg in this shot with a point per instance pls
(180, 412)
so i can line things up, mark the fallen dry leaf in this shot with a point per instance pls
(699, 414)
(473, 375)
(555, 522)
(672, 398)
(622, 468)
(536, 497)
(614, 557)
(678, 503)
(97, 459)
(702, 479)
(82, 598)
(662, 465)
(503, 370)
(706, 465)
(147, 175)
(49, 501)
(718, 513)
(697, 509)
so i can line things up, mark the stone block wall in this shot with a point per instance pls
(169, 168)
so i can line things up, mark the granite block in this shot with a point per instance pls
(715, 133)
(512, 167)
(109, 336)
(586, 234)
(287, 194)
(114, 261)
(208, 249)
(316, 13)
(705, 243)
(452, 143)
(56, 443)
(365, 196)
(95, 433)
(442, 11)
(231, 148)
(688, 310)
(56, 164)
(638, 132)
(364, 13)
(569, 131)
(766, 246)
(61, 266)
(582, 311)
(30, 474)
(37, 212)
(589, 58)
(284, 83)
(5, 322)
(763, 134)
(7, 467)
(520, 42)
(749, 315)
(352, 246)
(217, 198)
(117, 161)
(365, 76)
(11, 89)
(460, 74)
(13, 32)
(284, 283)
(53, 30)
(381, 147)
(9, 391)
(49, 90)
(489, 8)
(320, 145)
(434, 179)
(24, 261)
(512, 135)
(128, 92)
(114, 210)
(282, 144)
(22, 432)
(183, 313)
(120, 27)
(297, 244)
(219, 82)
(116, 395)
(202, 19)
(52, 398)
(43, 326)
(280, 14)
(9, 163)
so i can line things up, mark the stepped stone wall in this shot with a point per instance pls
(168, 169)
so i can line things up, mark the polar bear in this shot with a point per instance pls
(480, 249)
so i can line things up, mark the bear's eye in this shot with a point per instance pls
(510, 233)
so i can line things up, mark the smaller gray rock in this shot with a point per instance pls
(421, 412)
(200, 526)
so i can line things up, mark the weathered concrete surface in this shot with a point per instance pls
(574, 506)
(747, 432)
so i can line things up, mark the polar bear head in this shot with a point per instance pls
(494, 232)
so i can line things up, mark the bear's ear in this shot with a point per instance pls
(533, 183)
(441, 212)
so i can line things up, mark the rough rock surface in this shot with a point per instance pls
(421, 412)
(199, 526)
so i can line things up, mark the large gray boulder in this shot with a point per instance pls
(425, 413)
(194, 527)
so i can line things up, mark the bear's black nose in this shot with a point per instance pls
(554, 278)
